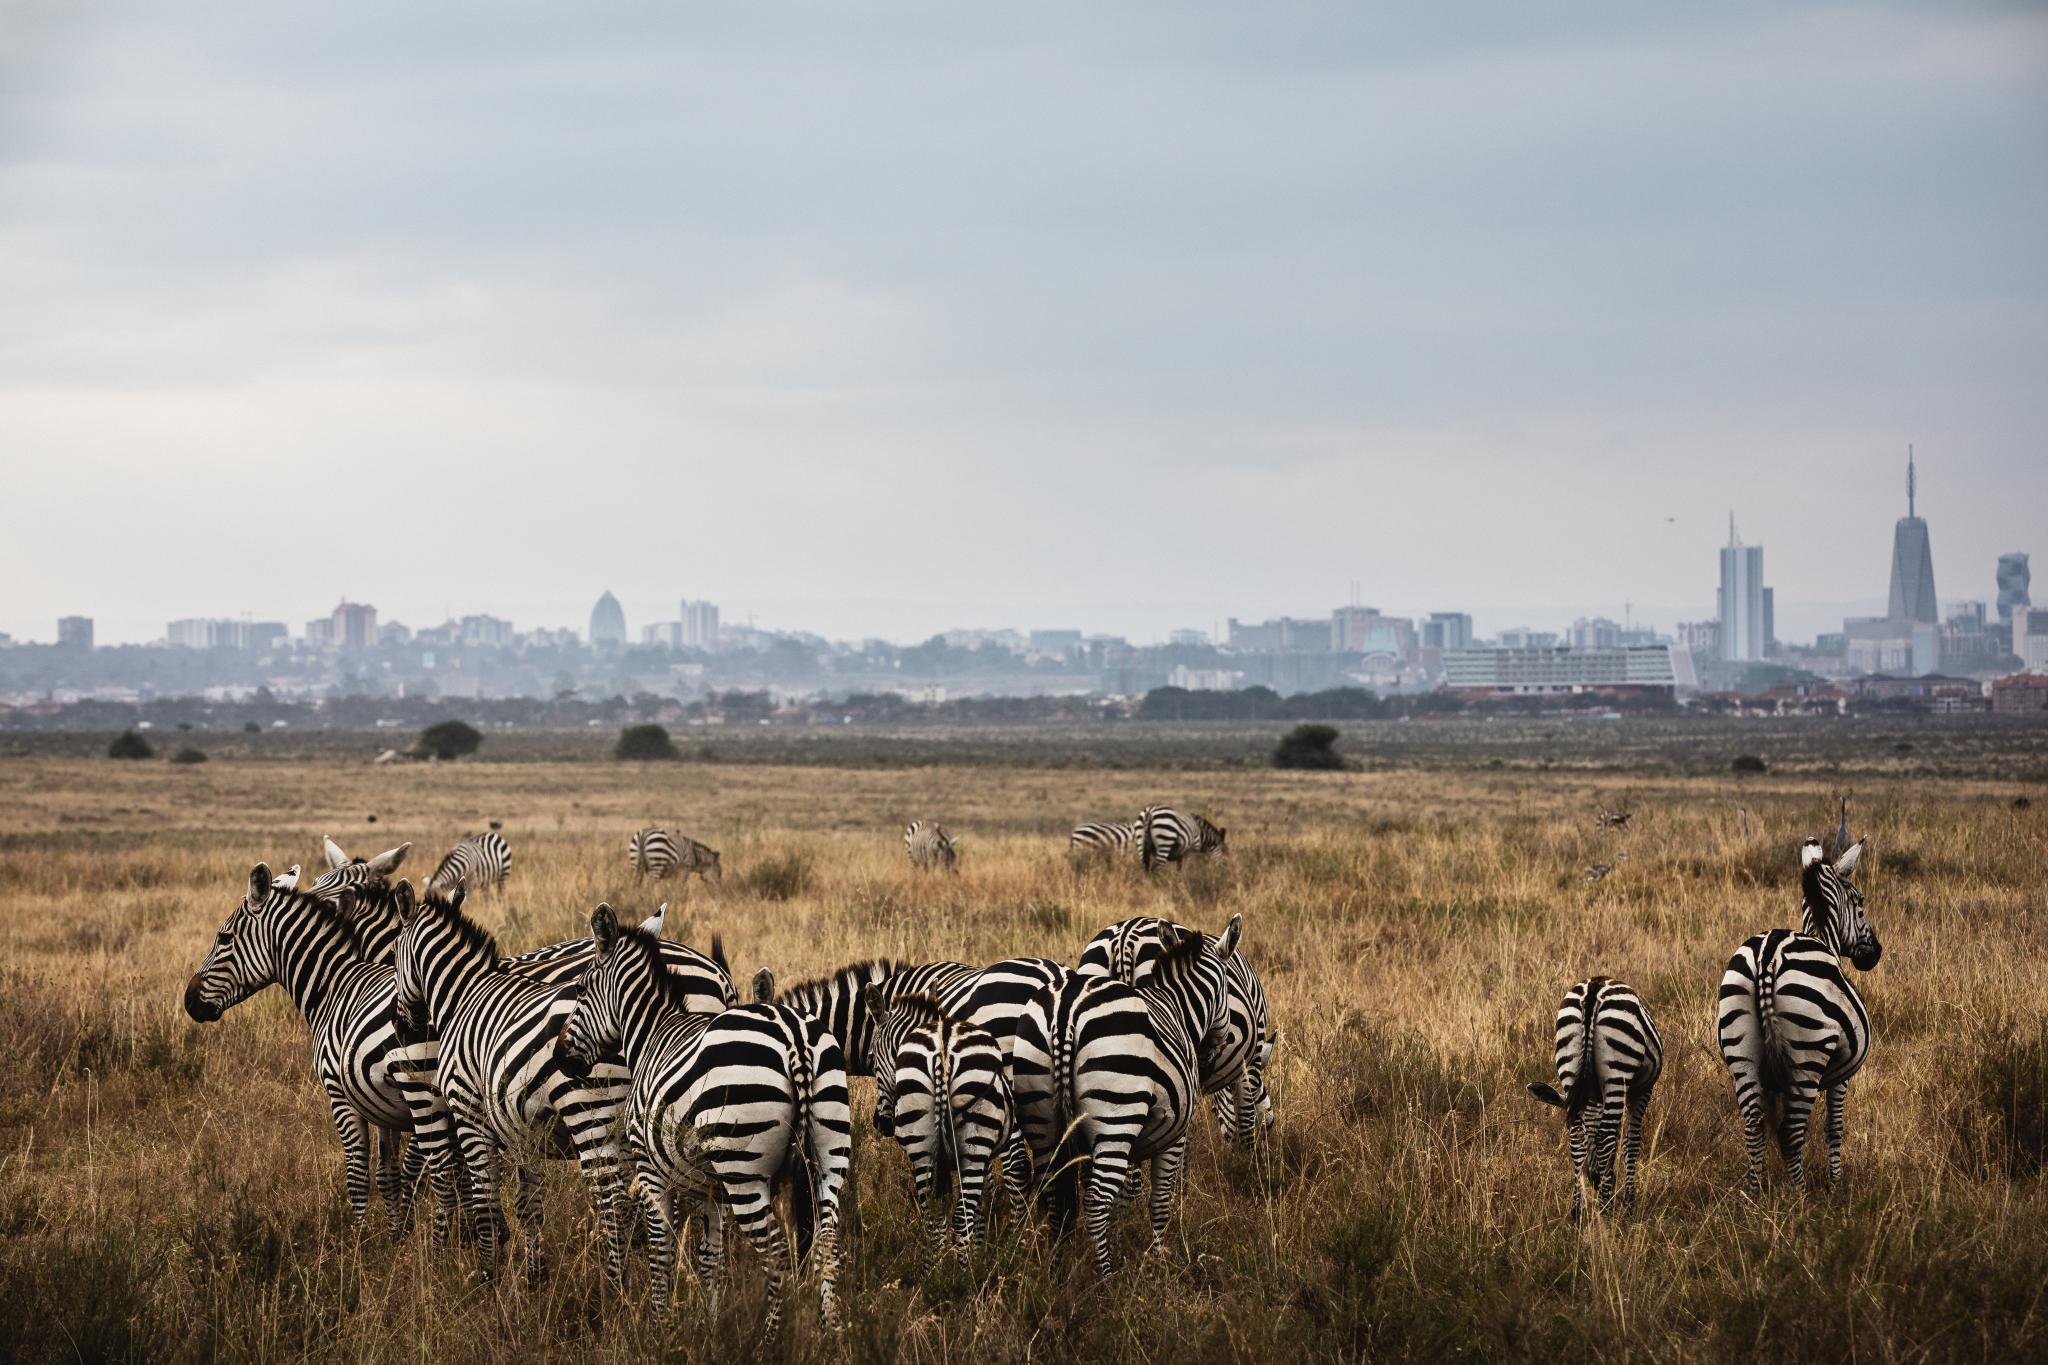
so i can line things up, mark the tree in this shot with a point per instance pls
(640, 742)
(449, 739)
(130, 745)
(189, 755)
(1309, 746)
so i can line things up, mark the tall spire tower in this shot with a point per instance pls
(1912, 561)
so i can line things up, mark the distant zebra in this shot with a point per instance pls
(723, 1106)
(654, 852)
(953, 1112)
(498, 1070)
(1098, 838)
(1791, 1026)
(929, 846)
(1608, 1059)
(1109, 1072)
(480, 862)
(1167, 836)
(1234, 1060)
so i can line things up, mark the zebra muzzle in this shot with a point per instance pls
(201, 1009)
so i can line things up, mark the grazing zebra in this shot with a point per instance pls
(1233, 1059)
(480, 862)
(343, 870)
(1608, 1058)
(308, 945)
(723, 1106)
(1791, 1026)
(929, 846)
(1109, 1072)
(1167, 836)
(1106, 839)
(953, 1112)
(1613, 819)
(654, 852)
(498, 1070)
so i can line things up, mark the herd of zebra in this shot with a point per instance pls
(684, 1106)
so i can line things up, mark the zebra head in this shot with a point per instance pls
(343, 870)
(247, 954)
(1246, 1114)
(438, 947)
(622, 989)
(894, 1016)
(1192, 975)
(1831, 906)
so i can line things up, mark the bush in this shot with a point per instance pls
(131, 745)
(774, 879)
(1749, 763)
(250, 727)
(645, 742)
(188, 755)
(1309, 746)
(449, 739)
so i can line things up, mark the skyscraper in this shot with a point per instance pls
(607, 621)
(75, 630)
(1742, 613)
(2013, 580)
(1912, 563)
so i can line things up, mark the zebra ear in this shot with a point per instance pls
(1846, 863)
(386, 863)
(335, 857)
(871, 999)
(764, 987)
(1811, 852)
(288, 880)
(343, 902)
(259, 883)
(654, 922)
(404, 902)
(604, 929)
(1227, 944)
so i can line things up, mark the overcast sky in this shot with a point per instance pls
(879, 319)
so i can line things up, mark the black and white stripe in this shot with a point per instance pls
(841, 1005)
(929, 846)
(1608, 1058)
(655, 852)
(480, 862)
(723, 1108)
(1167, 836)
(1109, 1072)
(1791, 1026)
(1103, 838)
(953, 1113)
(343, 870)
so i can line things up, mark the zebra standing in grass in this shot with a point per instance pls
(840, 1003)
(499, 1072)
(1167, 836)
(1103, 839)
(929, 846)
(1791, 1026)
(1234, 1059)
(722, 1108)
(1109, 1072)
(953, 1112)
(307, 944)
(654, 852)
(1608, 1060)
(481, 862)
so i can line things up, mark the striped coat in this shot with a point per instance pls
(1103, 839)
(481, 862)
(930, 847)
(1608, 1058)
(656, 853)
(1167, 836)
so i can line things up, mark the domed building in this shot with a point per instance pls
(607, 621)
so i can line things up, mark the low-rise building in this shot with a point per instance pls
(1557, 672)
(2022, 694)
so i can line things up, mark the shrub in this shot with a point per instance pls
(131, 745)
(644, 742)
(775, 879)
(188, 755)
(1309, 746)
(1749, 763)
(449, 739)
(250, 727)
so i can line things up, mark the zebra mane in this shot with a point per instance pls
(671, 991)
(473, 936)
(1820, 901)
(857, 973)
(1179, 956)
(318, 908)
(919, 1009)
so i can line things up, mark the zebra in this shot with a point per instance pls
(1104, 839)
(1109, 1072)
(1234, 1060)
(722, 1107)
(1608, 1060)
(841, 1004)
(1791, 1026)
(343, 870)
(308, 945)
(498, 1071)
(929, 846)
(480, 861)
(953, 1112)
(655, 852)
(287, 880)
(1167, 836)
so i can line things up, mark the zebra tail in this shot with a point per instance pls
(1773, 1059)
(1148, 848)
(1585, 1085)
(718, 956)
(942, 1095)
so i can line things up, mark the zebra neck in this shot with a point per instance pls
(308, 962)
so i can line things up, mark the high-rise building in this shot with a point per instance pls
(1447, 630)
(1741, 600)
(1364, 630)
(75, 630)
(1598, 633)
(355, 626)
(700, 625)
(2013, 580)
(1912, 563)
(607, 621)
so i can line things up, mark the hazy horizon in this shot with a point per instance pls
(918, 317)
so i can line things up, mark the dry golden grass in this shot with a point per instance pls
(170, 1190)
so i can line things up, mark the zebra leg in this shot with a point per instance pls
(753, 1207)
(530, 1207)
(391, 1186)
(931, 1212)
(1792, 1130)
(1109, 1171)
(1632, 1144)
(1576, 1136)
(711, 1250)
(967, 1203)
(1166, 1168)
(658, 1200)
(355, 1151)
(1017, 1173)
(1838, 1096)
(480, 1194)
(412, 1168)
(600, 1164)
(1611, 1109)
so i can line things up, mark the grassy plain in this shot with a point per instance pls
(172, 1190)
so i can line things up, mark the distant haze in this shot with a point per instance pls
(881, 319)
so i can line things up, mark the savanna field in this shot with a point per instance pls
(172, 1190)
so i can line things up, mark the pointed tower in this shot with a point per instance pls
(1912, 562)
